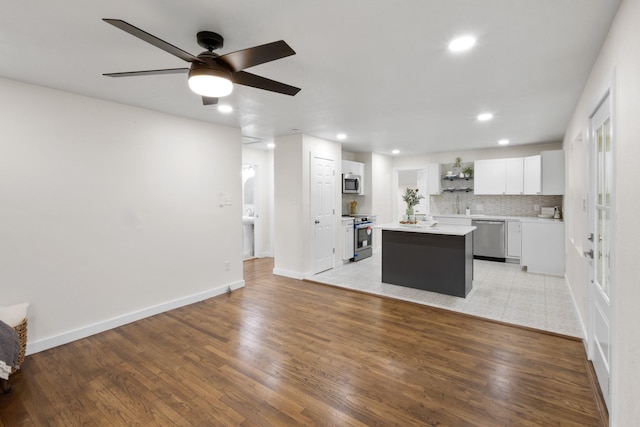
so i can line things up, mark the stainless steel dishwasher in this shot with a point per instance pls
(489, 240)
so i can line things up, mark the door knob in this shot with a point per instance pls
(589, 253)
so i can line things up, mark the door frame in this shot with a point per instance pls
(395, 195)
(312, 207)
(257, 208)
(608, 89)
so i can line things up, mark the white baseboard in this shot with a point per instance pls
(288, 273)
(96, 328)
(585, 336)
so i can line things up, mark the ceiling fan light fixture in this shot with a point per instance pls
(210, 82)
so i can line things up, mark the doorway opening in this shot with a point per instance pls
(415, 179)
(250, 211)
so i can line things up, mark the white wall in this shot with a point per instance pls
(110, 213)
(621, 52)
(381, 205)
(289, 237)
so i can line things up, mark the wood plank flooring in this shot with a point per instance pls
(282, 352)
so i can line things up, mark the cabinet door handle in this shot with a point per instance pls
(317, 221)
(589, 253)
(590, 237)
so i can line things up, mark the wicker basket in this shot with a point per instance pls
(21, 329)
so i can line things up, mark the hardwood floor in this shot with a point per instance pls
(284, 352)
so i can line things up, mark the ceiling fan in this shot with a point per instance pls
(212, 75)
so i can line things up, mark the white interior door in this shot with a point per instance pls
(322, 213)
(599, 253)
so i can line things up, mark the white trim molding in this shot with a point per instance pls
(96, 328)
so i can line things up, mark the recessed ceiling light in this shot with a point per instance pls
(503, 142)
(485, 116)
(395, 152)
(462, 43)
(223, 108)
(341, 136)
(271, 145)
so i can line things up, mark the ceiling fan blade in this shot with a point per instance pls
(207, 100)
(241, 59)
(151, 39)
(248, 79)
(148, 72)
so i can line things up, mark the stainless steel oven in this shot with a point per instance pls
(363, 236)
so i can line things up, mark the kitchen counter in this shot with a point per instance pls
(438, 258)
(428, 227)
(499, 217)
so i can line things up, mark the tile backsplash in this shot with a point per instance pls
(449, 203)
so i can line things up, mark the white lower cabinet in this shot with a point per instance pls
(348, 243)
(543, 247)
(514, 239)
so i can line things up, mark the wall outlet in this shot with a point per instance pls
(536, 208)
(479, 207)
(227, 265)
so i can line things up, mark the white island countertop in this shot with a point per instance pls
(428, 227)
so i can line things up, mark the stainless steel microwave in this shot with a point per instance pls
(351, 184)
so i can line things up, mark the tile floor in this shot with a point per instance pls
(501, 291)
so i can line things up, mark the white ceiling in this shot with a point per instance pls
(377, 70)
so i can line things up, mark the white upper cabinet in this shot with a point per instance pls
(532, 175)
(514, 181)
(544, 174)
(489, 176)
(552, 172)
(541, 174)
(433, 179)
(498, 176)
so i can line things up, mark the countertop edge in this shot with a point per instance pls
(452, 230)
(500, 218)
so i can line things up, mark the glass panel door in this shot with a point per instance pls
(603, 207)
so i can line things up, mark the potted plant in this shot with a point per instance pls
(411, 198)
(468, 172)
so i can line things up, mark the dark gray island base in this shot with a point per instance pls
(433, 262)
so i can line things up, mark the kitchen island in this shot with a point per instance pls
(436, 258)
